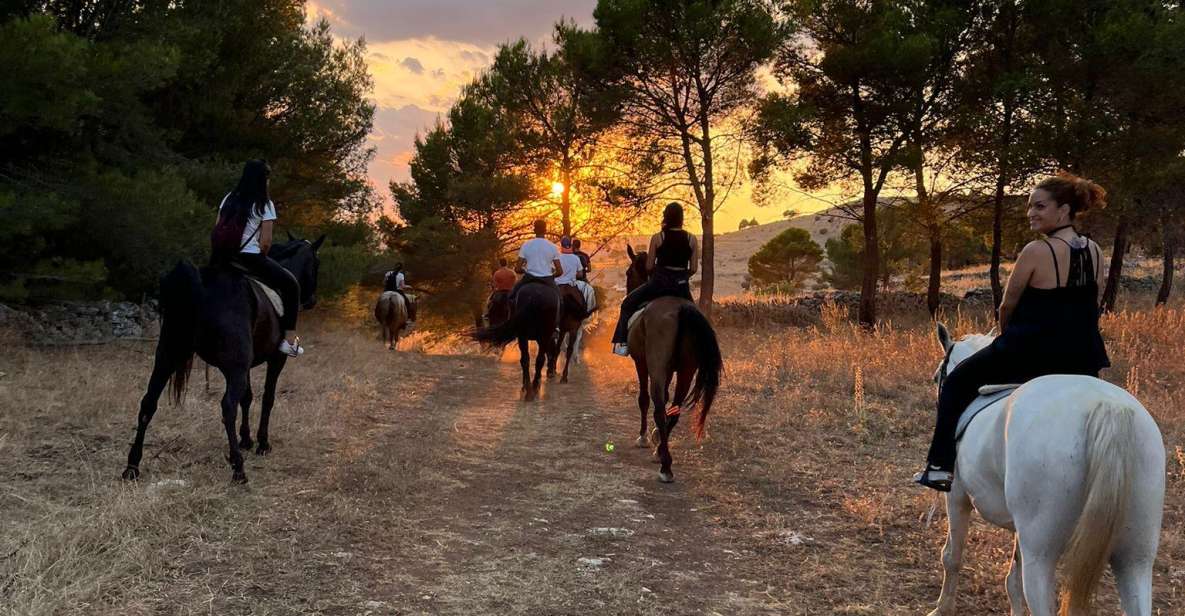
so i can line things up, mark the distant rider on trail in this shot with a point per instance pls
(396, 281)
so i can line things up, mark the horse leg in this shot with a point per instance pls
(643, 398)
(524, 361)
(658, 394)
(236, 384)
(553, 352)
(568, 356)
(1039, 576)
(275, 365)
(1014, 583)
(245, 441)
(1134, 580)
(958, 512)
(540, 360)
(683, 378)
(156, 386)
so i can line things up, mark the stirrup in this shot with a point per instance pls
(935, 479)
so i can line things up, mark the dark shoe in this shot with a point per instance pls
(935, 479)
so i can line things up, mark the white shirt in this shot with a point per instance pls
(571, 266)
(539, 253)
(399, 278)
(250, 239)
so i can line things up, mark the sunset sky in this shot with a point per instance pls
(421, 52)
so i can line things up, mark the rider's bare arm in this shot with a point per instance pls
(265, 236)
(694, 254)
(1018, 280)
(652, 251)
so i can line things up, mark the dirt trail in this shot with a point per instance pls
(516, 507)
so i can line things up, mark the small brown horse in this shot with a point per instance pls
(391, 313)
(671, 339)
(573, 312)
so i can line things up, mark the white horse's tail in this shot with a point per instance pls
(1111, 458)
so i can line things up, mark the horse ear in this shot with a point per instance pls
(944, 338)
(291, 238)
(629, 250)
(317, 244)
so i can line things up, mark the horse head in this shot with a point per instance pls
(300, 257)
(955, 352)
(636, 274)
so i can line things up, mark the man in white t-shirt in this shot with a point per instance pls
(538, 260)
(570, 265)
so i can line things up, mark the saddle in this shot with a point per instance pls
(573, 301)
(989, 395)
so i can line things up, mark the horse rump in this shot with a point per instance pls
(180, 299)
(709, 363)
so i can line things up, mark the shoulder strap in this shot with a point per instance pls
(1056, 270)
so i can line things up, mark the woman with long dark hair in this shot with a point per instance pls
(671, 261)
(1049, 316)
(250, 208)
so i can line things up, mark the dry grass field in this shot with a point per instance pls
(415, 482)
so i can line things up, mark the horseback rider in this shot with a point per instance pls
(1049, 316)
(501, 282)
(395, 280)
(671, 261)
(570, 270)
(585, 260)
(250, 206)
(538, 261)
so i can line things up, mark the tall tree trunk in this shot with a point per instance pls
(871, 261)
(1004, 162)
(933, 292)
(1115, 271)
(566, 195)
(707, 262)
(997, 242)
(1169, 250)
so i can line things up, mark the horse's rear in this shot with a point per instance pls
(673, 340)
(1075, 465)
(534, 318)
(391, 313)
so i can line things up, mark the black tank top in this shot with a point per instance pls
(1059, 327)
(675, 250)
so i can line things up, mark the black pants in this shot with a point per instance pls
(528, 278)
(992, 365)
(664, 283)
(275, 276)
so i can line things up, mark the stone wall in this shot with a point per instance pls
(81, 322)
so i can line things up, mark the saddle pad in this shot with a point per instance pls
(590, 295)
(637, 315)
(270, 294)
(988, 395)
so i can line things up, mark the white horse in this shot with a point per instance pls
(1074, 466)
(391, 313)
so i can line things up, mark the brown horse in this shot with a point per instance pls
(573, 312)
(671, 339)
(391, 313)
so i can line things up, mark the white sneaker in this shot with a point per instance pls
(622, 349)
(291, 350)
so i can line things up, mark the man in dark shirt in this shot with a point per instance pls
(585, 260)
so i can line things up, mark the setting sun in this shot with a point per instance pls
(557, 188)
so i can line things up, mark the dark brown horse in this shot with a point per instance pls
(573, 312)
(671, 339)
(534, 318)
(220, 316)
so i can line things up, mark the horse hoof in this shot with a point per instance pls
(246, 443)
(131, 474)
(666, 477)
(263, 449)
(563, 379)
(640, 442)
(238, 477)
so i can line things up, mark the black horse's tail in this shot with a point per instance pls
(180, 298)
(709, 363)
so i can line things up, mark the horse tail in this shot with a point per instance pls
(1111, 453)
(709, 363)
(180, 297)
